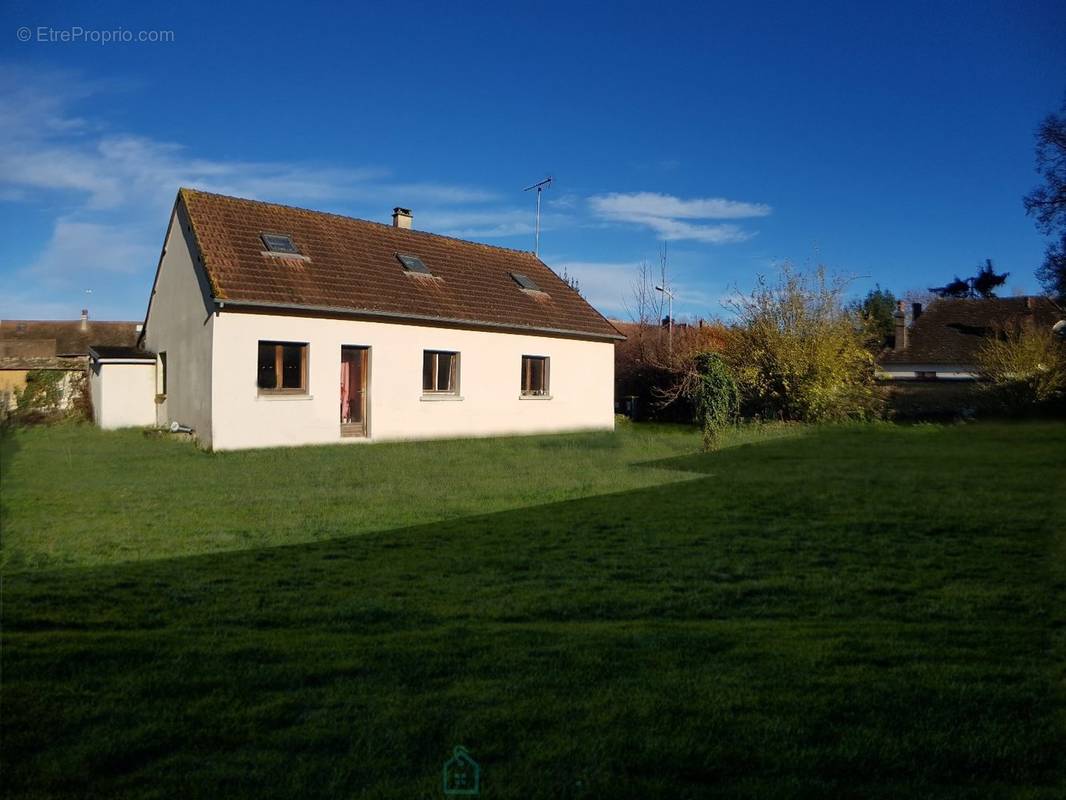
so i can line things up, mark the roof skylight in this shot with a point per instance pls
(279, 243)
(413, 264)
(524, 282)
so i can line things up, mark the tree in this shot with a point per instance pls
(983, 284)
(1047, 203)
(798, 353)
(647, 366)
(1025, 365)
(715, 396)
(876, 311)
(956, 288)
(987, 280)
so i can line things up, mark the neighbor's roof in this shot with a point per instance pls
(31, 340)
(952, 331)
(350, 265)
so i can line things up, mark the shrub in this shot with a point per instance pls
(52, 395)
(799, 354)
(1024, 366)
(715, 397)
(42, 394)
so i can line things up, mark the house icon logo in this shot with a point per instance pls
(462, 775)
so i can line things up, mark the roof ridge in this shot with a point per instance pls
(357, 219)
(78, 321)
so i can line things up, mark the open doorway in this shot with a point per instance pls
(355, 368)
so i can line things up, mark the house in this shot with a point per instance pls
(943, 341)
(55, 346)
(461, 775)
(271, 325)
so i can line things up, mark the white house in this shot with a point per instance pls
(270, 325)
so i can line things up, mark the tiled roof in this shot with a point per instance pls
(952, 331)
(50, 338)
(350, 266)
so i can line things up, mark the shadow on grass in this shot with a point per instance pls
(777, 628)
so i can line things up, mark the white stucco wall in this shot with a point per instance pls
(123, 395)
(180, 322)
(581, 383)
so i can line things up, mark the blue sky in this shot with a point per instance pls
(892, 143)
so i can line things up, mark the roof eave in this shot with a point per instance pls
(397, 315)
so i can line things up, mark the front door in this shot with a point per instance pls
(355, 364)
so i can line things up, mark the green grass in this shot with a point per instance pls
(870, 611)
(76, 496)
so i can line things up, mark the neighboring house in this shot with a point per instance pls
(60, 345)
(942, 341)
(273, 325)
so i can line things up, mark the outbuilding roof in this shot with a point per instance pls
(346, 265)
(105, 353)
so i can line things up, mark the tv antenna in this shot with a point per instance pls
(540, 187)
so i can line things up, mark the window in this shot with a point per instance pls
(279, 243)
(524, 282)
(282, 367)
(440, 372)
(413, 264)
(163, 372)
(534, 376)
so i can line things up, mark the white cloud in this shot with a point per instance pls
(622, 206)
(115, 189)
(78, 251)
(490, 223)
(668, 215)
(605, 284)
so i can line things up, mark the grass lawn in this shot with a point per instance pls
(870, 611)
(75, 495)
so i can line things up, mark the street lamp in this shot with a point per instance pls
(669, 317)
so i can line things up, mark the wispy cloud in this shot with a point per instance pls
(482, 223)
(669, 216)
(116, 187)
(605, 284)
(81, 249)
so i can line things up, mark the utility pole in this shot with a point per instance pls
(669, 318)
(670, 297)
(540, 187)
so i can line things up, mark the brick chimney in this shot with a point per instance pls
(899, 319)
(401, 218)
(85, 319)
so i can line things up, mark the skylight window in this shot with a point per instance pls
(413, 264)
(525, 282)
(279, 243)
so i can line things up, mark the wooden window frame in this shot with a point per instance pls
(279, 369)
(527, 376)
(453, 378)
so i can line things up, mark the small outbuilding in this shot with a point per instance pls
(122, 383)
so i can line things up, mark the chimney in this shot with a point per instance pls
(916, 311)
(899, 318)
(1030, 302)
(401, 218)
(85, 319)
